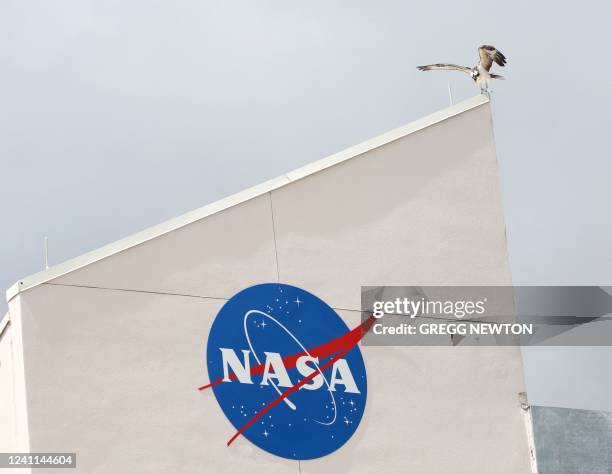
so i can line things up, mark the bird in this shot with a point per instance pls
(481, 72)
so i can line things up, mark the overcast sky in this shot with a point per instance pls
(117, 115)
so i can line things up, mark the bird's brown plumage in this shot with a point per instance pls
(445, 66)
(490, 54)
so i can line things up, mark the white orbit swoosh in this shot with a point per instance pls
(286, 399)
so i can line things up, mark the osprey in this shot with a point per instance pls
(481, 73)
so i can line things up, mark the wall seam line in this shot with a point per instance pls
(274, 238)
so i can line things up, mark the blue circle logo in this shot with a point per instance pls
(287, 371)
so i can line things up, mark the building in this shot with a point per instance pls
(102, 355)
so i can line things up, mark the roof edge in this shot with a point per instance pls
(4, 322)
(150, 233)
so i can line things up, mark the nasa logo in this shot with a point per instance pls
(286, 371)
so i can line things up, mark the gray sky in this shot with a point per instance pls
(116, 115)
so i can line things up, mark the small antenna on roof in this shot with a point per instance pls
(450, 93)
(46, 253)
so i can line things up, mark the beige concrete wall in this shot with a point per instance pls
(114, 351)
(7, 389)
(14, 436)
(423, 210)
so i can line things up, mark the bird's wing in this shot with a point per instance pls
(446, 67)
(488, 54)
